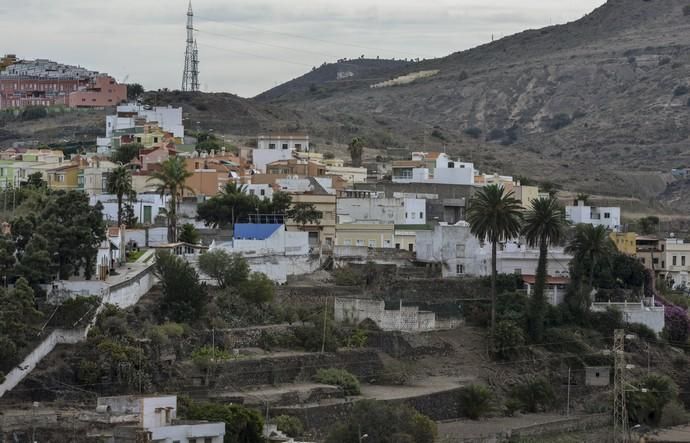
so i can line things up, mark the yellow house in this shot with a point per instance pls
(406, 236)
(64, 177)
(626, 242)
(322, 233)
(365, 235)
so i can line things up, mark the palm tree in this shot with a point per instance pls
(237, 198)
(355, 148)
(171, 180)
(582, 197)
(591, 243)
(494, 216)
(544, 225)
(120, 183)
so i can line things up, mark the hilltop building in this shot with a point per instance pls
(580, 213)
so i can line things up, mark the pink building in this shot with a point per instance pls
(102, 91)
(20, 92)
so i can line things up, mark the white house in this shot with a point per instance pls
(270, 249)
(453, 247)
(260, 190)
(168, 118)
(146, 206)
(517, 258)
(277, 147)
(373, 207)
(592, 215)
(433, 167)
(155, 418)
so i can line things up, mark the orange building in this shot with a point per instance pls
(102, 91)
(296, 167)
(212, 172)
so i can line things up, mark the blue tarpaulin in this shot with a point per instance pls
(253, 231)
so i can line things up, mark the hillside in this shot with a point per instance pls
(599, 104)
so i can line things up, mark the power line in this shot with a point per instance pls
(254, 55)
(255, 29)
(232, 37)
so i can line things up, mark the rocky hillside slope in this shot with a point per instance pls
(600, 104)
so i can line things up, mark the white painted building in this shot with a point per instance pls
(433, 167)
(146, 206)
(517, 258)
(374, 208)
(283, 142)
(405, 318)
(454, 248)
(272, 250)
(155, 417)
(610, 217)
(168, 118)
(263, 191)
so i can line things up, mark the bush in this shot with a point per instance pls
(560, 121)
(394, 373)
(226, 269)
(346, 276)
(473, 132)
(508, 339)
(643, 331)
(534, 396)
(34, 113)
(383, 423)
(339, 377)
(241, 424)
(207, 356)
(676, 325)
(681, 90)
(475, 401)
(291, 426)
(495, 134)
(647, 400)
(257, 289)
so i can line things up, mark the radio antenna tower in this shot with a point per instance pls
(620, 413)
(190, 77)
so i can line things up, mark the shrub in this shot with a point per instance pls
(507, 339)
(475, 401)
(676, 325)
(560, 121)
(495, 134)
(647, 400)
(436, 133)
(257, 289)
(511, 406)
(34, 113)
(346, 276)
(535, 395)
(339, 377)
(241, 423)
(226, 269)
(673, 414)
(184, 297)
(473, 132)
(643, 331)
(207, 356)
(383, 423)
(681, 90)
(395, 373)
(291, 426)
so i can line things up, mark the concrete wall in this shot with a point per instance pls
(59, 336)
(185, 433)
(652, 317)
(153, 411)
(406, 318)
(455, 248)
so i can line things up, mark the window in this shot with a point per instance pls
(682, 260)
(655, 261)
(421, 216)
(642, 260)
(663, 264)
(347, 242)
(372, 243)
(460, 269)
(386, 243)
(208, 440)
(263, 192)
(360, 242)
(285, 146)
(607, 215)
(155, 139)
(272, 146)
(460, 250)
(675, 260)
(397, 246)
(410, 247)
(413, 216)
(298, 146)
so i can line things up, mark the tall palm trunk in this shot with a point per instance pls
(493, 288)
(592, 259)
(538, 300)
(119, 209)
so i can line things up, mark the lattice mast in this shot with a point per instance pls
(620, 413)
(190, 76)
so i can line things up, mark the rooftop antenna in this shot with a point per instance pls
(190, 76)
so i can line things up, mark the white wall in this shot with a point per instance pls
(263, 142)
(652, 317)
(406, 318)
(168, 118)
(595, 216)
(109, 203)
(519, 257)
(153, 411)
(263, 157)
(184, 432)
(258, 189)
(453, 246)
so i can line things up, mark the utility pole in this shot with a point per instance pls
(620, 413)
(325, 319)
(568, 405)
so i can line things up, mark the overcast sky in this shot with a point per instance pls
(248, 46)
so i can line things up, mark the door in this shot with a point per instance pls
(147, 214)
